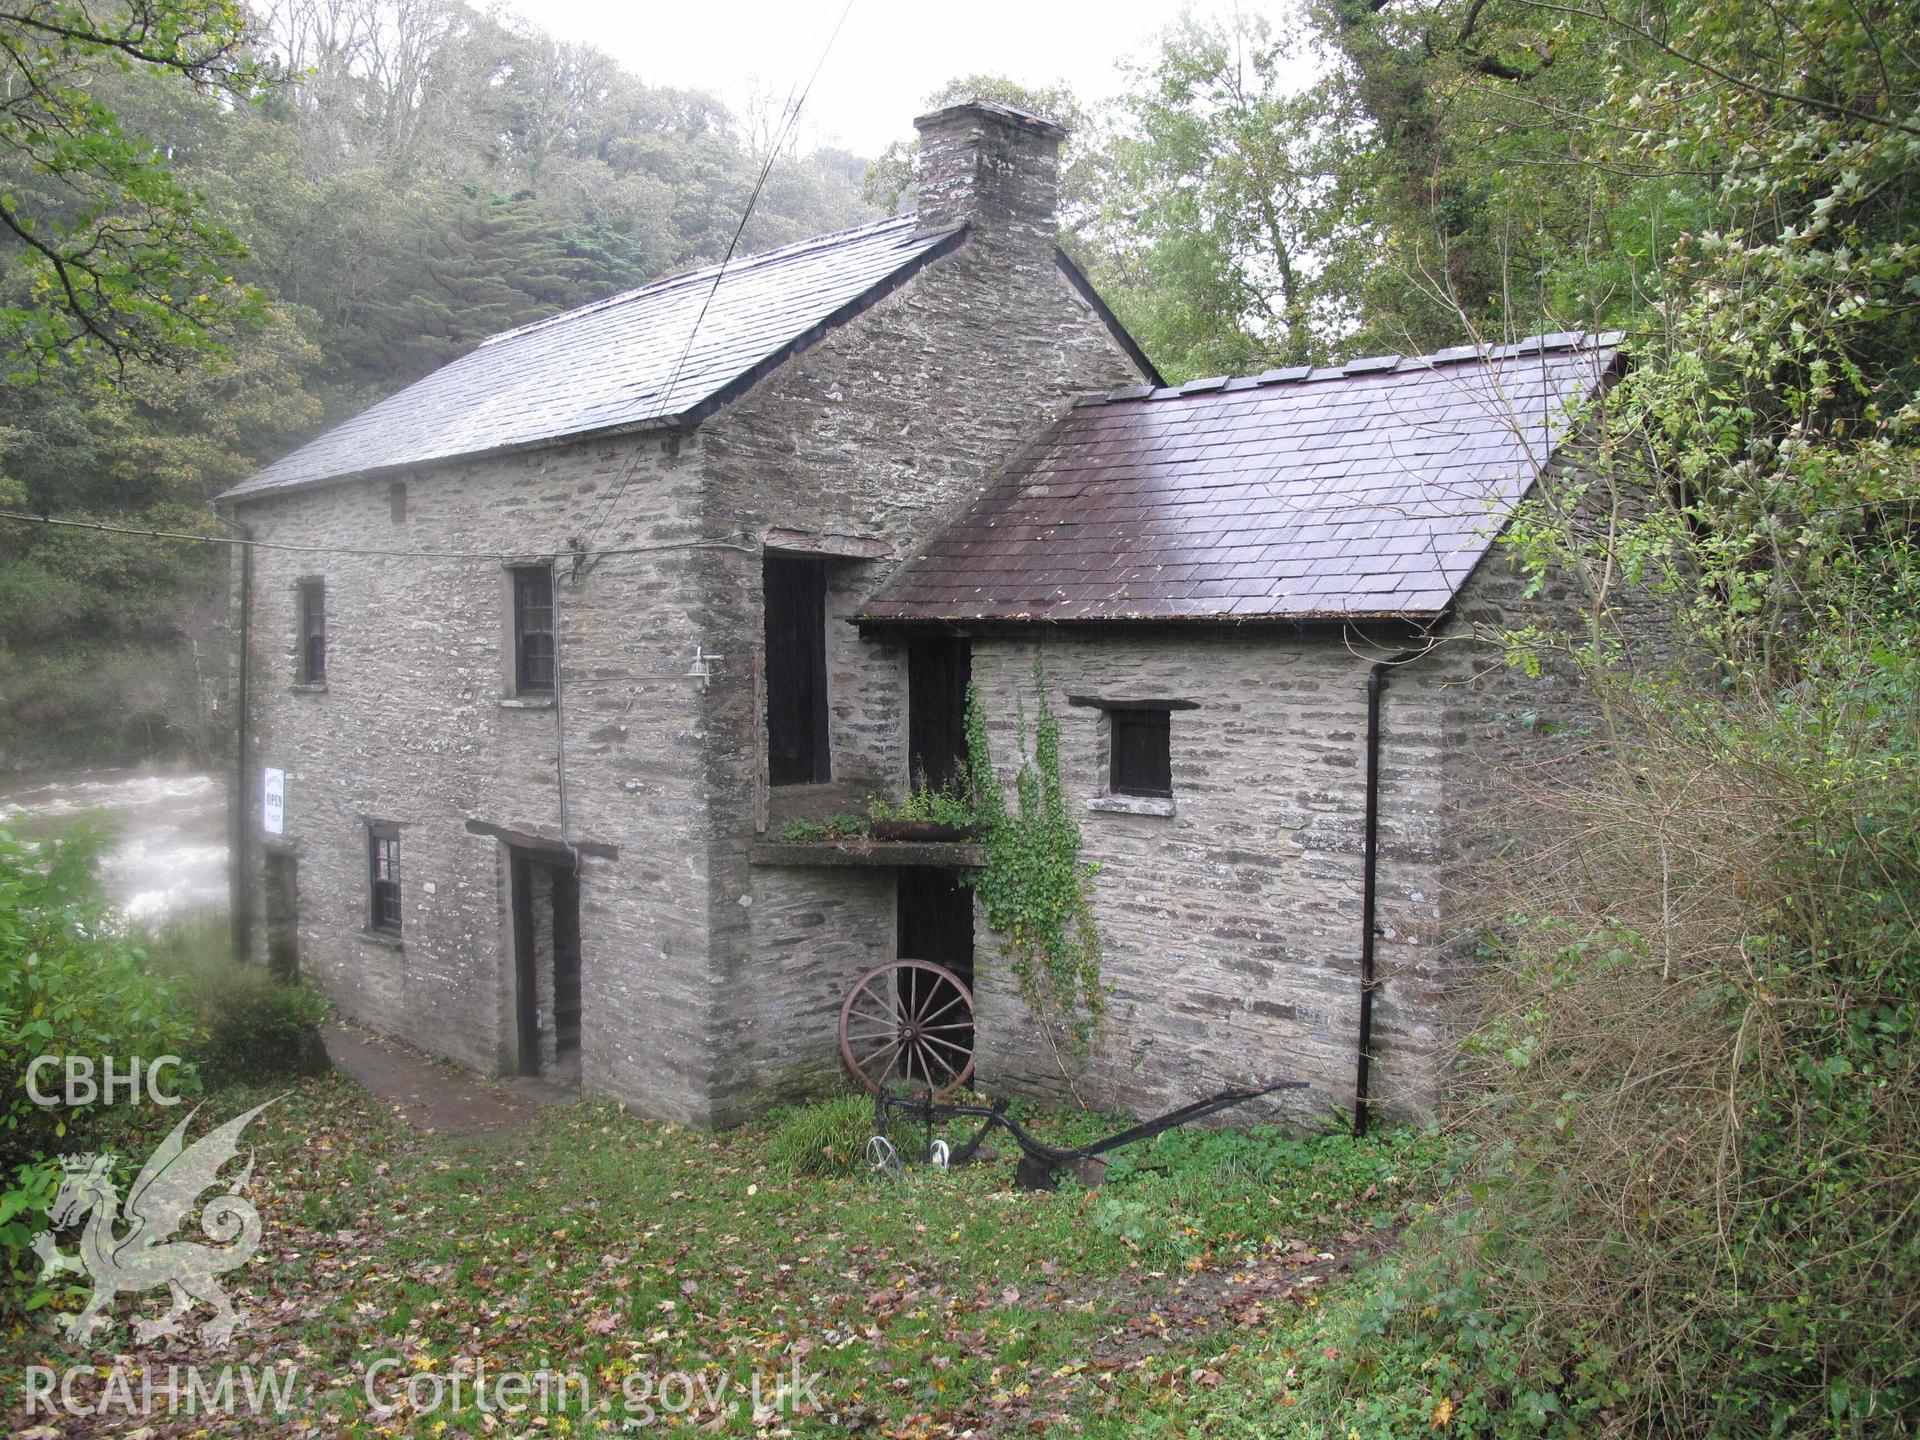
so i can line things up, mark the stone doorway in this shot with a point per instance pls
(282, 884)
(934, 921)
(546, 954)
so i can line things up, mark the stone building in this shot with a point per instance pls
(541, 654)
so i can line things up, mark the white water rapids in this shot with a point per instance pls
(168, 852)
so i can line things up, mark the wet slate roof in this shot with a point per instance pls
(1365, 490)
(610, 364)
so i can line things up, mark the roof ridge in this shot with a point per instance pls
(707, 272)
(1547, 343)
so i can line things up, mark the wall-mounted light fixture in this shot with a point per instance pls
(702, 667)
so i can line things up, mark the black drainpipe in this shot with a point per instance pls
(239, 827)
(1369, 875)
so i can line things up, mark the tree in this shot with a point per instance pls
(1215, 235)
(468, 266)
(1474, 162)
(403, 178)
(102, 248)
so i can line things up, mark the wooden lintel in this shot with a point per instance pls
(840, 547)
(1100, 702)
(543, 844)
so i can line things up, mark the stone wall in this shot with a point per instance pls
(414, 727)
(886, 429)
(1512, 737)
(1231, 926)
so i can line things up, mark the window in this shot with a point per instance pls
(533, 648)
(312, 668)
(383, 874)
(397, 501)
(796, 603)
(1142, 761)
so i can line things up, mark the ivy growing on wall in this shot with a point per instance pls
(1034, 888)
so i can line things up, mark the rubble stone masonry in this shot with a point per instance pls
(709, 986)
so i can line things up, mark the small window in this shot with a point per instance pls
(1142, 762)
(313, 632)
(397, 501)
(383, 873)
(796, 602)
(533, 648)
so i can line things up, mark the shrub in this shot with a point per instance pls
(844, 826)
(1416, 1346)
(252, 1028)
(825, 1138)
(71, 983)
(1257, 1184)
(948, 804)
(1696, 1085)
(248, 1027)
(74, 980)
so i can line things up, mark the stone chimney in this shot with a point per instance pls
(994, 167)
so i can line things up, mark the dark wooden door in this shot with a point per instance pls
(283, 915)
(934, 921)
(938, 669)
(525, 965)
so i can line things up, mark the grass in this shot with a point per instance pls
(930, 1305)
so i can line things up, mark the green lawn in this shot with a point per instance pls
(594, 1244)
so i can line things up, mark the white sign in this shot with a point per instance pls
(273, 802)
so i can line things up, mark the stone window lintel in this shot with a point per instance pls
(1132, 804)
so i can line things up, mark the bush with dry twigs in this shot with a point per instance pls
(1694, 1082)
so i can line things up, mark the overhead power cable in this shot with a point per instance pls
(233, 540)
(604, 510)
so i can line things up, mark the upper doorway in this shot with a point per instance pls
(938, 669)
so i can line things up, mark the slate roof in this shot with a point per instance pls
(1365, 490)
(609, 364)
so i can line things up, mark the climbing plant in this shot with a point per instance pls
(1034, 888)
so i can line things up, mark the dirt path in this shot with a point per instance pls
(430, 1095)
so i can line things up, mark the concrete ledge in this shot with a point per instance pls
(1131, 804)
(935, 854)
(381, 937)
(526, 702)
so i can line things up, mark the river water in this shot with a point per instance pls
(168, 854)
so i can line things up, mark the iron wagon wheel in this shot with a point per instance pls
(912, 1021)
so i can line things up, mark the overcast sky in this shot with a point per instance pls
(890, 54)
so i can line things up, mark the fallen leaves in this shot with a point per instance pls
(938, 1306)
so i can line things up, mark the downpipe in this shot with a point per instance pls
(1369, 884)
(239, 830)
